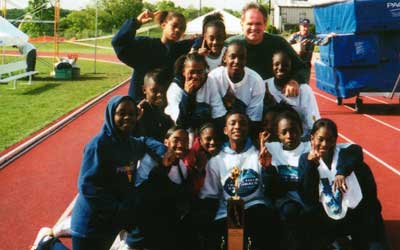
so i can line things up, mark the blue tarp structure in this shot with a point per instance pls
(365, 54)
(357, 16)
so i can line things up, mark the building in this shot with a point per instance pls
(288, 13)
(284, 15)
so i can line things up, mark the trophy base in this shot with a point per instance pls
(235, 239)
(235, 219)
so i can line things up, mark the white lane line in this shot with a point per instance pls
(394, 170)
(368, 116)
(377, 100)
(67, 211)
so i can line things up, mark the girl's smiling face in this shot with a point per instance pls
(214, 38)
(281, 66)
(289, 133)
(125, 117)
(178, 142)
(155, 93)
(235, 61)
(324, 141)
(208, 140)
(236, 127)
(194, 72)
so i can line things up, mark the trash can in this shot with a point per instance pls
(63, 74)
(76, 72)
(63, 71)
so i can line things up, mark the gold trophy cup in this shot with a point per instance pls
(235, 216)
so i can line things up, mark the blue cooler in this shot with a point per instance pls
(355, 16)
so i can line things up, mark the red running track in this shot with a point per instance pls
(36, 188)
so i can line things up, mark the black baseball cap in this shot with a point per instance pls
(304, 21)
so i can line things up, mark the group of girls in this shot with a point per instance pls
(301, 189)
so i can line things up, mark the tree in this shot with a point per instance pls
(39, 10)
(166, 6)
(120, 10)
(77, 21)
(15, 13)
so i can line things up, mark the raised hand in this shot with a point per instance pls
(330, 35)
(203, 49)
(314, 155)
(140, 108)
(304, 42)
(190, 86)
(263, 137)
(146, 16)
(265, 158)
(169, 158)
(291, 88)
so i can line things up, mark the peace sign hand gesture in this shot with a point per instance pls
(203, 49)
(263, 137)
(265, 158)
(314, 155)
(146, 16)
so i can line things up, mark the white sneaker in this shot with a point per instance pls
(63, 229)
(45, 233)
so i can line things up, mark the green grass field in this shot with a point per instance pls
(65, 47)
(106, 42)
(29, 108)
(155, 32)
(75, 48)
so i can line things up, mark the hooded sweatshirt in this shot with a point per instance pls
(145, 53)
(218, 183)
(107, 194)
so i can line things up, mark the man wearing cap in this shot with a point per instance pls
(307, 41)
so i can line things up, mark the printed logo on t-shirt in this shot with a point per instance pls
(289, 176)
(288, 173)
(248, 183)
(127, 169)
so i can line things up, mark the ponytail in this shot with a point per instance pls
(165, 16)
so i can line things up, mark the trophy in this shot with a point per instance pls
(235, 215)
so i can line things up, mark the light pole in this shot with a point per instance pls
(56, 27)
(4, 8)
(95, 35)
(199, 8)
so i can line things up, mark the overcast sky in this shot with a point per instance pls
(65, 4)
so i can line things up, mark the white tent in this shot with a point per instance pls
(11, 35)
(232, 24)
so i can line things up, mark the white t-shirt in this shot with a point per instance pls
(204, 94)
(213, 62)
(286, 163)
(25, 48)
(147, 163)
(350, 199)
(250, 90)
(218, 183)
(305, 103)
